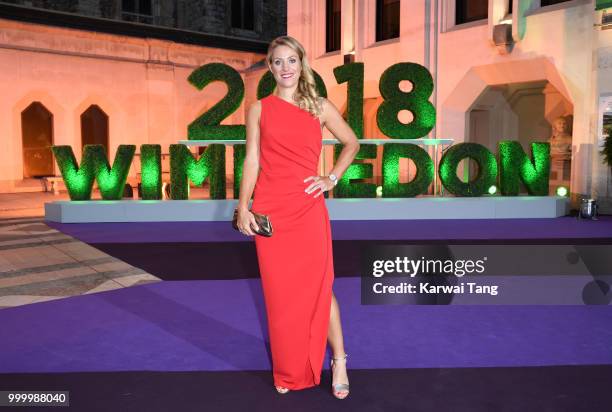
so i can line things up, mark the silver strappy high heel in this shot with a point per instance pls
(338, 387)
(282, 390)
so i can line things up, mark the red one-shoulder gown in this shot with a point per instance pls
(296, 263)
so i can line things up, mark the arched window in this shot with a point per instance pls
(37, 138)
(94, 127)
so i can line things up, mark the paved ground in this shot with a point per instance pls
(38, 263)
(19, 205)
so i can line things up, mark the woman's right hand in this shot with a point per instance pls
(246, 222)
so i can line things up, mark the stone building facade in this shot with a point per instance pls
(207, 16)
(77, 72)
(502, 69)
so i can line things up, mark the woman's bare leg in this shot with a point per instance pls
(336, 342)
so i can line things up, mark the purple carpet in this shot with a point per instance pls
(220, 326)
(461, 229)
(187, 344)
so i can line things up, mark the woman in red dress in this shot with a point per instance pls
(283, 145)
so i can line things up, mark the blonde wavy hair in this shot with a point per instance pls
(306, 93)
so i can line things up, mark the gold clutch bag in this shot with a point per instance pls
(263, 221)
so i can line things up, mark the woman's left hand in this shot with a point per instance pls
(320, 184)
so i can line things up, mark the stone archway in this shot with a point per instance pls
(94, 127)
(516, 100)
(454, 120)
(37, 139)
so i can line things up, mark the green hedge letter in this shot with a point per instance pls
(392, 153)
(94, 165)
(184, 167)
(352, 73)
(487, 169)
(150, 171)
(515, 166)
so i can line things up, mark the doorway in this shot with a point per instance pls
(37, 139)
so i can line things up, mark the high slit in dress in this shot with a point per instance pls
(296, 263)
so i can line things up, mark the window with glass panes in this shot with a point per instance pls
(140, 11)
(471, 10)
(242, 12)
(332, 25)
(387, 19)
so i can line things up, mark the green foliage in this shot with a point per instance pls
(606, 150)
(347, 188)
(184, 167)
(239, 155)
(94, 165)
(150, 171)
(416, 101)
(208, 125)
(347, 185)
(487, 169)
(516, 167)
(353, 74)
(392, 153)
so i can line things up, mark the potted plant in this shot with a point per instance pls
(606, 153)
(606, 150)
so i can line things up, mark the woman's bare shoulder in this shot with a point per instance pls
(254, 110)
(324, 105)
(256, 106)
(327, 107)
